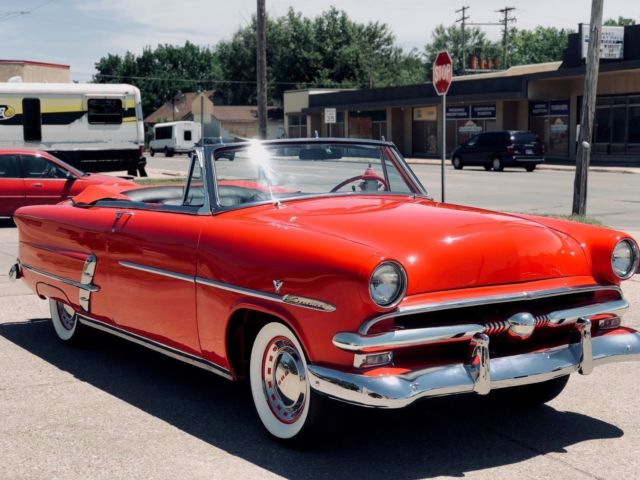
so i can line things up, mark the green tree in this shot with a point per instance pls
(162, 72)
(450, 39)
(619, 22)
(542, 44)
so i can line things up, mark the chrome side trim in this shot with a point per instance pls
(295, 300)
(157, 271)
(478, 301)
(73, 283)
(15, 272)
(310, 303)
(88, 271)
(157, 346)
(355, 342)
(397, 391)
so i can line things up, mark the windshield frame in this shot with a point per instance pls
(388, 149)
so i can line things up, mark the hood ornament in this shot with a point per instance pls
(277, 285)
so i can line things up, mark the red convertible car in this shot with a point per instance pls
(33, 177)
(321, 268)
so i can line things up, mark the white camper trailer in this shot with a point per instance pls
(94, 127)
(174, 137)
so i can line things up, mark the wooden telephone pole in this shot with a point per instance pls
(588, 110)
(262, 71)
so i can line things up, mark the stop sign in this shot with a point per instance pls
(442, 73)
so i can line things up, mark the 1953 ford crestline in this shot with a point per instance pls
(321, 268)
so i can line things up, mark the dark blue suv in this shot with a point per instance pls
(496, 150)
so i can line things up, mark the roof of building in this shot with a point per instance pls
(236, 113)
(177, 108)
(39, 64)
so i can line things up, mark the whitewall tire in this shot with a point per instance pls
(280, 384)
(65, 321)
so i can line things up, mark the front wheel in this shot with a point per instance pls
(280, 387)
(65, 322)
(532, 395)
(152, 152)
(457, 163)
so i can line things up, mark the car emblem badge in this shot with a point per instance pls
(521, 325)
(277, 285)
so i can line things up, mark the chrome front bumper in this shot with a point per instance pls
(481, 374)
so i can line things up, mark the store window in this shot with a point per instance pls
(368, 124)
(550, 121)
(425, 131)
(466, 121)
(297, 126)
(616, 129)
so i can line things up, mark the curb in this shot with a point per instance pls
(541, 166)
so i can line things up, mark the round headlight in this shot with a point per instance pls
(388, 284)
(624, 259)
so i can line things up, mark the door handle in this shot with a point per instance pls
(37, 185)
(120, 214)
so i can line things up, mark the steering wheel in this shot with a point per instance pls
(369, 174)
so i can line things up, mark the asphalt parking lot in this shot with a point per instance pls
(115, 410)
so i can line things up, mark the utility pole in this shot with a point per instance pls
(261, 69)
(588, 110)
(505, 32)
(463, 22)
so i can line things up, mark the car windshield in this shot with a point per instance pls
(524, 137)
(259, 172)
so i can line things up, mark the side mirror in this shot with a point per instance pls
(70, 176)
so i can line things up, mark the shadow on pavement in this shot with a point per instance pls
(7, 222)
(449, 436)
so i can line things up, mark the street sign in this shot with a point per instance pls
(329, 115)
(442, 73)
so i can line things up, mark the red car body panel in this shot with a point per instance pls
(18, 192)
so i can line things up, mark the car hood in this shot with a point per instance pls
(441, 246)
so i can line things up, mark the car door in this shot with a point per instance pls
(471, 150)
(45, 182)
(152, 270)
(11, 185)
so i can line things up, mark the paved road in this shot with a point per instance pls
(114, 410)
(614, 197)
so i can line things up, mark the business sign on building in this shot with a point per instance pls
(425, 114)
(611, 43)
(555, 108)
(483, 111)
(457, 112)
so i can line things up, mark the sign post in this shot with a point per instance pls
(329, 117)
(442, 76)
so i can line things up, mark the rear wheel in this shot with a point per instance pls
(168, 152)
(530, 168)
(65, 322)
(152, 152)
(532, 395)
(496, 164)
(457, 163)
(282, 394)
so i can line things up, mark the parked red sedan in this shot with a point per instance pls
(33, 177)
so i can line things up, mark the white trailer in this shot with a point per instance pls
(94, 127)
(174, 137)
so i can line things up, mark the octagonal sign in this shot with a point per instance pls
(442, 73)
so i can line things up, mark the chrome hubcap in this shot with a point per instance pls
(67, 316)
(496, 163)
(284, 380)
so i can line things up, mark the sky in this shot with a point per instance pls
(80, 32)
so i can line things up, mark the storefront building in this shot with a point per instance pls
(543, 98)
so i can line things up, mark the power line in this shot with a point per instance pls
(20, 13)
(463, 19)
(505, 32)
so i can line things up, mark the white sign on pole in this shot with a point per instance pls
(611, 43)
(330, 115)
